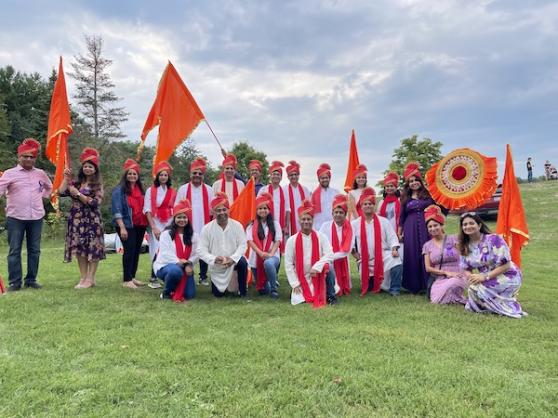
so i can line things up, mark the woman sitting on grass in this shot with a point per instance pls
(494, 279)
(178, 251)
(442, 260)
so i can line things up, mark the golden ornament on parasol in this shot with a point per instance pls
(463, 179)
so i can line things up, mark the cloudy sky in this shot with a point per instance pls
(294, 77)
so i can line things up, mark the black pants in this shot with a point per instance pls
(242, 272)
(203, 270)
(132, 248)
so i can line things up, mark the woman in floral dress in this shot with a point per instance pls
(85, 234)
(494, 279)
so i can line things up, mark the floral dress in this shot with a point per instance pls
(85, 234)
(499, 294)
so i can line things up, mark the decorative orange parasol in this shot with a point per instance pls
(463, 179)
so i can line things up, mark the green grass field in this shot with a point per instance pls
(110, 351)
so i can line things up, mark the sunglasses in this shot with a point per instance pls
(464, 215)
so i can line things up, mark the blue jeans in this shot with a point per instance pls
(395, 274)
(171, 275)
(529, 176)
(330, 283)
(17, 229)
(271, 268)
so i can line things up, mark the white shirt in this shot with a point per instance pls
(198, 220)
(229, 189)
(326, 200)
(390, 214)
(326, 256)
(326, 230)
(216, 241)
(167, 251)
(276, 200)
(249, 237)
(297, 202)
(161, 193)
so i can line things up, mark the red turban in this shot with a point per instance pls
(183, 206)
(29, 146)
(306, 207)
(293, 167)
(163, 166)
(198, 164)
(411, 169)
(131, 164)
(230, 159)
(360, 170)
(91, 155)
(220, 199)
(391, 178)
(264, 199)
(276, 166)
(368, 193)
(433, 212)
(254, 164)
(340, 201)
(324, 169)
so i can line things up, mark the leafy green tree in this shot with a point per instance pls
(244, 153)
(425, 151)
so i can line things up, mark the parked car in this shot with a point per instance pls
(113, 243)
(489, 208)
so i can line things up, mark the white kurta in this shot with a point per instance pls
(297, 202)
(390, 214)
(389, 240)
(354, 197)
(198, 220)
(276, 200)
(326, 256)
(216, 241)
(326, 200)
(229, 189)
(167, 251)
(249, 237)
(161, 192)
(338, 255)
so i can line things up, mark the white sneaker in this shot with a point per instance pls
(154, 285)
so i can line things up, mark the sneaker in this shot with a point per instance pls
(164, 296)
(274, 294)
(13, 288)
(154, 285)
(204, 282)
(332, 301)
(395, 294)
(32, 285)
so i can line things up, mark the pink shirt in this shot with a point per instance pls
(25, 190)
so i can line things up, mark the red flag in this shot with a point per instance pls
(511, 214)
(175, 111)
(353, 163)
(243, 208)
(59, 128)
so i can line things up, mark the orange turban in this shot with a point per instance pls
(91, 155)
(433, 212)
(220, 199)
(163, 166)
(130, 164)
(198, 164)
(306, 207)
(360, 170)
(324, 169)
(29, 146)
(276, 166)
(183, 206)
(230, 159)
(254, 164)
(264, 199)
(293, 167)
(340, 201)
(391, 178)
(368, 193)
(412, 169)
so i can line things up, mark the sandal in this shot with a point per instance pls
(138, 282)
(129, 285)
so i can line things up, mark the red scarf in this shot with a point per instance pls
(182, 252)
(294, 228)
(163, 212)
(281, 212)
(135, 201)
(383, 208)
(235, 187)
(317, 199)
(205, 198)
(318, 299)
(341, 266)
(262, 246)
(365, 257)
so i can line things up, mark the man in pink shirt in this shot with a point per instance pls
(25, 187)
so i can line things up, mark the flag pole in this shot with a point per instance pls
(215, 136)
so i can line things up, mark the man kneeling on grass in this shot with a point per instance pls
(222, 246)
(307, 257)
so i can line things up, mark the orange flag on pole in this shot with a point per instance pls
(353, 163)
(59, 128)
(511, 214)
(243, 208)
(175, 111)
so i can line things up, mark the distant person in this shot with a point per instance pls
(25, 187)
(547, 166)
(529, 170)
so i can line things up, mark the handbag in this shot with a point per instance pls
(432, 277)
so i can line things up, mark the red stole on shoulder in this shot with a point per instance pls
(205, 198)
(182, 251)
(317, 199)
(341, 266)
(365, 257)
(318, 299)
(262, 246)
(235, 187)
(383, 208)
(163, 212)
(294, 227)
(281, 212)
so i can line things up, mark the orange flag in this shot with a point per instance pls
(243, 208)
(511, 215)
(59, 128)
(353, 163)
(175, 111)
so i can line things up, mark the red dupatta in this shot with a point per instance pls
(318, 299)
(182, 252)
(383, 208)
(262, 246)
(235, 187)
(294, 228)
(365, 257)
(281, 212)
(205, 198)
(163, 212)
(341, 266)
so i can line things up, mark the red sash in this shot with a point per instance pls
(235, 187)
(281, 212)
(318, 299)
(182, 251)
(341, 266)
(365, 257)
(260, 272)
(163, 212)
(294, 227)
(205, 198)
(317, 199)
(383, 208)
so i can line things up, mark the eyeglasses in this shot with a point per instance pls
(463, 215)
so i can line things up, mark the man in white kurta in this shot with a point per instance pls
(222, 246)
(325, 254)
(322, 197)
(298, 193)
(389, 241)
(278, 211)
(228, 183)
(200, 196)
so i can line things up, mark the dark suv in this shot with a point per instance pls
(489, 208)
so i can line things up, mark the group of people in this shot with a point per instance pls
(398, 243)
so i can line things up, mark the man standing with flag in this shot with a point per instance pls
(322, 197)
(25, 187)
(295, 194)
(228, 183)
(200, 196)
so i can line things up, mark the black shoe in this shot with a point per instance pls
(32, 285)
(332, 301)
(13, 288)
(274, 295)
(165, 296)
(203, 281)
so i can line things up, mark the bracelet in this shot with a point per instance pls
(486, 277)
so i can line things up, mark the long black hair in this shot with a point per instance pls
(355, 185)
(188, 232)
(463, 238)
(157, 183)
(422, 193)
(125, 184)
(97, 179)
(270, 225)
